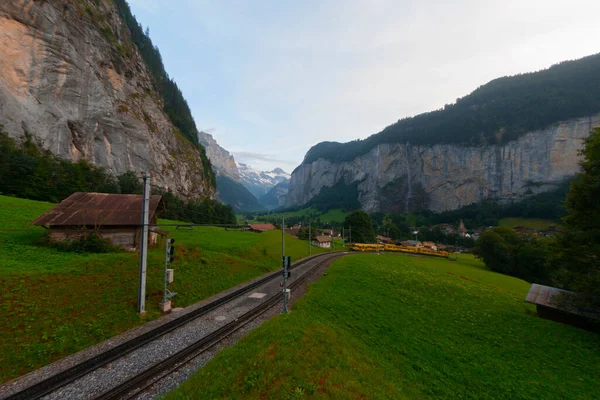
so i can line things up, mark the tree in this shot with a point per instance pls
(362, 227)
(503, 251)
(576, 250)
(130, 183)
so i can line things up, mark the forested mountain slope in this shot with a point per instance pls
(496, 113)
(511, 138)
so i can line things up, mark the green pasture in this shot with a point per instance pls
(401, 327)
(56, 303)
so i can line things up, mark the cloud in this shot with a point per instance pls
(248, 157)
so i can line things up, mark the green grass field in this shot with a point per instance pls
(335, 216)
(538, 224)
(56, 303)
(401, 327)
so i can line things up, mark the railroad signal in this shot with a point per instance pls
(170, 250)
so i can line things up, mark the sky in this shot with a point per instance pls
(271, 78)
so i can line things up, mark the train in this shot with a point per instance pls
(396, 248)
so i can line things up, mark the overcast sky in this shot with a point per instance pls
(269, 79)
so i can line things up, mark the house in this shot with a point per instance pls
(411, 243)
(430, 245)
(323, 242)
(117, 217)
(262, 227)
(328, 232)
(555, 304)
(294, 230)
(383, 239)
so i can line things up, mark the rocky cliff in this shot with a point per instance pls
(405, 177)
(222, 161)
(71, 77)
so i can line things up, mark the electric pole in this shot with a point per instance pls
(309, 240)
(285, 266)
(144, 245)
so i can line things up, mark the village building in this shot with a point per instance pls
(462, 231)
(323, 242)
(411, 243)
(430, 245)
(262, 227)
(117, 217)
(383, 240)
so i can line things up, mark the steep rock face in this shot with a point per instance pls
(71, 78)
(221, 160)
(403, 177)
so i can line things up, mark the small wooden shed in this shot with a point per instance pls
(262, 227)
(117, 217)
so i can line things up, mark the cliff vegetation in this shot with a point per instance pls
(496, 113)
(174, 104)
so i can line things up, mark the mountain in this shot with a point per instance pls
(236, 195)
(84, 81)
(275, 197)
(221, 160)
(511, 138)
(260, 182)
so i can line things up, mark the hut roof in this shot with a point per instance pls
(98, 209)
(262, 227)
(322, 239)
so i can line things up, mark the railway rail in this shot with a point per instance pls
(64, 378)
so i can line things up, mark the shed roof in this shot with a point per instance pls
(262, 227)
(98, 209)
(322, 239)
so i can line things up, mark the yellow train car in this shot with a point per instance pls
(395, 248)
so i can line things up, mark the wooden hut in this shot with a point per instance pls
(117, 217)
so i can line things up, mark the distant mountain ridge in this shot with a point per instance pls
(509, 139)
(260, 182)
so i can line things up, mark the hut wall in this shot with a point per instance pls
(124, 237)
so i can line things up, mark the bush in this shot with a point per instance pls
(89, 243)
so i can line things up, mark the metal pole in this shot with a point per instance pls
(166, 268)
(309, 241)
(350, 233)
(144, 246)
(285, 309)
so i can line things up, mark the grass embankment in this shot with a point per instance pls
(335, 216)
(401, 327)
(533, 223)
(56, 303)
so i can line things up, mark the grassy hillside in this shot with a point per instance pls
(400, 327)
(334, 216)
(533, 223)
(56, 303)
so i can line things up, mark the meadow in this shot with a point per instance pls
(56, 303)
(401, 327)
(533, 223)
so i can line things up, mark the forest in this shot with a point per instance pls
(495, 113)
(29, 172)
(174, 104)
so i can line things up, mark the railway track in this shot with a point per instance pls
(135, 386)
(62, 379)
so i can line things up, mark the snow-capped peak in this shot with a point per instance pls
(260, 182)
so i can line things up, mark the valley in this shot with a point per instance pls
(283, 201)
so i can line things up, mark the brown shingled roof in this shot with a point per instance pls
(262, 227)
(96, 209)
(322, 239)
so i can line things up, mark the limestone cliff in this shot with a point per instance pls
(222, 161)
(71, 77)
(405, 177)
